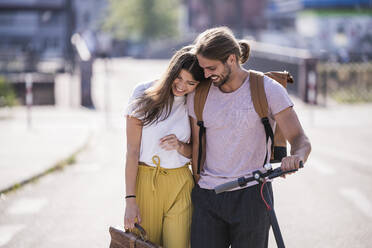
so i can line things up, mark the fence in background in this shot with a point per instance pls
(347, 83)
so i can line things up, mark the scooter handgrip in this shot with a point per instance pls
(226, 186)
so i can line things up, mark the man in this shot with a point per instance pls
(235, 146)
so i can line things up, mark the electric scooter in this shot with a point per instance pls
(262, 178)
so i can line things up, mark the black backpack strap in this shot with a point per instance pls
(269, 134)
(201, 133)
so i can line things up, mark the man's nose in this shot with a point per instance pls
(207, 74)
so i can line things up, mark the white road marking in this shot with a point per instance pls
(358, 199)
(27, 206)
(8, 231)
(320, 166)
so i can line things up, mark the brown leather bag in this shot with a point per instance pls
(121, 239)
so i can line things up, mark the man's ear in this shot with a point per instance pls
(231, 60)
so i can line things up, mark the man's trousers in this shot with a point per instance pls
(238, 218)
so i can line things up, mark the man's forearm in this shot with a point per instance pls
(301, 147)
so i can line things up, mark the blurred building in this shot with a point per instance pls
(89, 14)
(38, 32)
(333, 30)
(35, 31)
(241, 15)
(36, 37)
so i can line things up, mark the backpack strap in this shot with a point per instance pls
(258, 93)
(260, 105)
(280, 144)
(200, 98)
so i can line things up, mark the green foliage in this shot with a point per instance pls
(352, 95)
(142, 20)
(357, 12)
(7, 94)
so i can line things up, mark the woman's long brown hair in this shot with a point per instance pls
(156, 103)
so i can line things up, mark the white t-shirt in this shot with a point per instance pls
(177, 123)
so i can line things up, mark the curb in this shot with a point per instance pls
(58, 166)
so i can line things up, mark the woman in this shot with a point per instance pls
(157, 175)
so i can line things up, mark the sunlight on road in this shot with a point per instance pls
(27, 206)
(8, 231)
(359, 200)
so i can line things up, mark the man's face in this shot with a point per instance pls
(214, 69)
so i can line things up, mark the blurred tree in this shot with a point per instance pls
(7, 94)
(142, 20)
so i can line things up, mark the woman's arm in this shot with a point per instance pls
(170, 142)
(185, 149)
(134, 133)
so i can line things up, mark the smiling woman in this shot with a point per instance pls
(155, 102)
(184, 83)
(157, 175)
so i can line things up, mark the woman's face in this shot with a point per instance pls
(184, 83)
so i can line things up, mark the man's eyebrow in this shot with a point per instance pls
(209, 67)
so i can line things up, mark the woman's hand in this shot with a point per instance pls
(131, 213)
(170, 142)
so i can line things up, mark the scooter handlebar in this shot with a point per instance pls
(226, 186)
(243, 181)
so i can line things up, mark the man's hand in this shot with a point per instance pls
(196, 178)
(290, 163)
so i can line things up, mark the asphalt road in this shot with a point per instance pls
(326, 204)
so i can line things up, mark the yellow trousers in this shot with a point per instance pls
(164, 200)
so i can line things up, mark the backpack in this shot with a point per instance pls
(278, 142)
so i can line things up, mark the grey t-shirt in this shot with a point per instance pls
(235, 137)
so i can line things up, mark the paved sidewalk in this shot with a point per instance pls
(56, 133)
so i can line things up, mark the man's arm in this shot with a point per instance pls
(292, 130)
(195, 149)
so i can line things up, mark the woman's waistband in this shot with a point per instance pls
(149, 167)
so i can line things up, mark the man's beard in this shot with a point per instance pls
(224, 79)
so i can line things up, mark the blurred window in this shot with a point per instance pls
(6, 19)
(49, 18)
